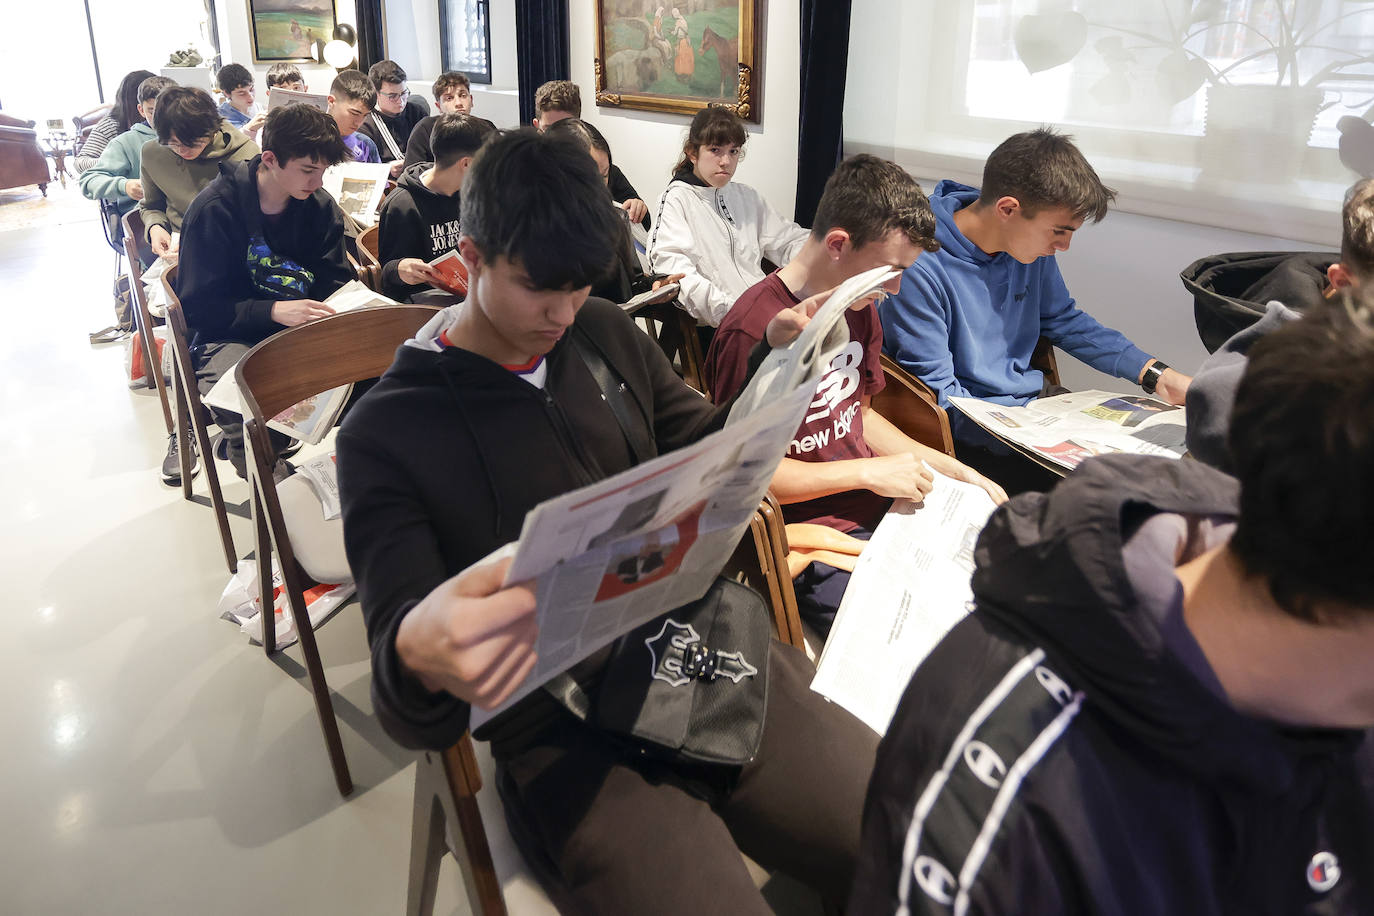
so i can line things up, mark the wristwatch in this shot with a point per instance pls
(1150, 379)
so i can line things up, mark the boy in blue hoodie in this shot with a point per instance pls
(968, 316)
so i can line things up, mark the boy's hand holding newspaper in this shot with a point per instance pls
(292, 312)
(471, 637)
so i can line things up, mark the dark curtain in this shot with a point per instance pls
(820, 131)
(371, 45)
(541, 44)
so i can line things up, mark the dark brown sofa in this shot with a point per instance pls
(21, 158)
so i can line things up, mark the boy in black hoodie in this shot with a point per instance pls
(420, 219)
(1164, 698)
(489, 411)
(261, 246)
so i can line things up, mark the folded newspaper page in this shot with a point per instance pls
(1061, 431)
(616, 554)
(909, 588)
(358, 187)
(322, 473)
(311, 419)
(277, 97)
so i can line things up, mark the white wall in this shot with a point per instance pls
(647, 144)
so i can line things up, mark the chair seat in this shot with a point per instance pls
(318, 543)
(521, 889)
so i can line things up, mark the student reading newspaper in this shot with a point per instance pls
(492, 410)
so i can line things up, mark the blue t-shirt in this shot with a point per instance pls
(235, 117)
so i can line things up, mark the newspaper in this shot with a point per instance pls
(322, 473)
(153, 291)
(358, 188)
(616, 554)
(665, 293)
(278, 97)
(1061, 431)
(909, 588)
(311, 419)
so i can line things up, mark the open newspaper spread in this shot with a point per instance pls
(616, 554)
(909, 588)
(278, 97)
(1061, 431)
(311, 419)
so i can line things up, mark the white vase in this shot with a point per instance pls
(1257, 134)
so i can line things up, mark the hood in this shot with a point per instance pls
(1050, 567)
(142, 132)
(687, 175)
(410, 180)
(427, 338)
(947, 198)
(226, 141)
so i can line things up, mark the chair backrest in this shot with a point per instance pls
(367, 247)
(908, 404)
(85, 123)
(1042, 358)
(312, 358)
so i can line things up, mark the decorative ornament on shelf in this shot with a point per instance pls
(187, 58)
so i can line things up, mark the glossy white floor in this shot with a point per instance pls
(157, 763)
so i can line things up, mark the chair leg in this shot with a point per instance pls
(262, 554)
(427, 844)
(207, 461)
(474, 858)
(324, 706)
(183, 420)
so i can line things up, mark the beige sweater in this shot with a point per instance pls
(170, 182)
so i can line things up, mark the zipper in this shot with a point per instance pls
(724, 212)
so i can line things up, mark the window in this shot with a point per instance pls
(1210, 110)
(466, 33)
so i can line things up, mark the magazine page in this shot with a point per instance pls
(819, 342)
(277, 97)
(909, 588)
(454, 271)
(153, 290)
(1063, 430)
(358, 188)
(611, 556)
(355, 295)
(322, 473)
(311, 420)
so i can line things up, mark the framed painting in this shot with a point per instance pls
(654, 56)
(288, 29)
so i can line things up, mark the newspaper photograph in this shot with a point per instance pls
(1061, 431)
(909, 588)
(358, 188)
(616, 554)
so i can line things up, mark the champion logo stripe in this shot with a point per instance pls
(1010, 680)
(1010, 786)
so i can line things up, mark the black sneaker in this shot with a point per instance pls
(171, 465)
(291, 448)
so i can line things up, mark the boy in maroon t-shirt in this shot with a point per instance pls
(846, 463)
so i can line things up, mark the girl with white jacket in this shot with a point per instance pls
(713, 230)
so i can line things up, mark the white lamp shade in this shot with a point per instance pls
(338, 54)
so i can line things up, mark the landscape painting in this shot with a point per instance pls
(659, 57)
(288, 29)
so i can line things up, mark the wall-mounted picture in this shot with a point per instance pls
(288, 29)
(655, 56)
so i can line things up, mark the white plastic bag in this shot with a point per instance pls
(240, 603)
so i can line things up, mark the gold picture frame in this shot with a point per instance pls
(652, 55)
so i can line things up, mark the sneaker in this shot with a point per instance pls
(291, 448)
(171, 464)
(221, 448)
(110, 335)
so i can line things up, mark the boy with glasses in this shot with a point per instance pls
(390, 124)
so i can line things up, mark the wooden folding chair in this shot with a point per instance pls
(368, 247)
(675, 332)
(908, 404)
(279, 372)
(1043, 359)
(191, 414)
(133, 231)
(760, 562)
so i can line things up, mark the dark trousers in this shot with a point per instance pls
(820, 589)
(213, 360)
(626, 834)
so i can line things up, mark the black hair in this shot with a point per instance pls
(714, 126)
(186, 114)
(537, 199)
(585, 134)
(152, 87)
(1042, 168)
(125, 108)
(385, 71)
(458, 135)
(233, 76)
(354, 86)
(302, 132)
(450, 79)
(281, 73)
(1302, 444)
(869, 197)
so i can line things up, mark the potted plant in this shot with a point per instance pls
(1253, 131)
